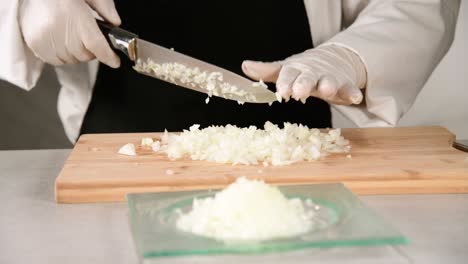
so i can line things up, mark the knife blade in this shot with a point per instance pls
(185, 71)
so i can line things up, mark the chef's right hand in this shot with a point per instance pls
(65, 31)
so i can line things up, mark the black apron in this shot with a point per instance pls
(223, 33)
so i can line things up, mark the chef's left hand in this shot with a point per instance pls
(332, 73)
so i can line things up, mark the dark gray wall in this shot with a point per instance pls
(29, 120)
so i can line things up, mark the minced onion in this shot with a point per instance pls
(128, 149)
(156, 146)
(146, 142)
(271, 145)
(212, 82)
(249, 210)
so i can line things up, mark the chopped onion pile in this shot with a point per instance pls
(212, 82)
(231, 144)
(248, 210)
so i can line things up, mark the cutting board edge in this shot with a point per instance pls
(61, 183)
(358, 187)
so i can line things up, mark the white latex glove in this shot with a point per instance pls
(332, 73)
(65, 31)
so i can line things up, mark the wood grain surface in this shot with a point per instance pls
(411, 160)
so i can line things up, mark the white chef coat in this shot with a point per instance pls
(399, 41)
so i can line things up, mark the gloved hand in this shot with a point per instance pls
(65, 31)
(332, 73)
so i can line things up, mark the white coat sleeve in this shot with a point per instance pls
(18, 64)
(400, 42)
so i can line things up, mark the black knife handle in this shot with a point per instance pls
(461, 145)
(119, 39)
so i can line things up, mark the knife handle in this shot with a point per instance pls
(461, 145)
(119, 39)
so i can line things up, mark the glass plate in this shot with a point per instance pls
(343, 220)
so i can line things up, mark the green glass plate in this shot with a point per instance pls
(342, 220)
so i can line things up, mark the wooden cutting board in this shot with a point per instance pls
(410, 160)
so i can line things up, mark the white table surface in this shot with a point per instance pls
(34, 229)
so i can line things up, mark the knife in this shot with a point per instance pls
(149, 57)
(461, 145)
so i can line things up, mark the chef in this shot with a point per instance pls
(367, 59)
